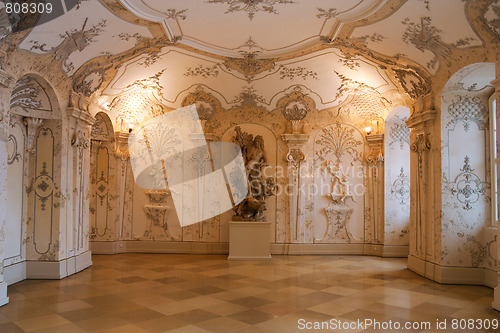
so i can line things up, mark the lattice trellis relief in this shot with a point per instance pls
(400, 134)
(468, 186)
(468, 109)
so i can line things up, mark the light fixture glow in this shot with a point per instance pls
(368, 130)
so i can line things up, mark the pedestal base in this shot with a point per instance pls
(3, 294)
(249, 240)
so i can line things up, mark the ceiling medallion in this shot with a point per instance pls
(252, 6)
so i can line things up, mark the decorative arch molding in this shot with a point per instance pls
(102, 129)
(33, 96)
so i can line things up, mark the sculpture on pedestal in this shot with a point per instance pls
(259, 187)
(338, 212)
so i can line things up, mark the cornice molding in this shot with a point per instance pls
(421, 118)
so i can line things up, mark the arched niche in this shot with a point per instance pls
(103, 204)
(34, 176)
(397, 178)
(466, 165)
(271, 158)
(338, 146)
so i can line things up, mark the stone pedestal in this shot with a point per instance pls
(339, 216)
(249, 240)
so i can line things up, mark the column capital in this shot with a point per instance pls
(32, 126)
(376, 144)
(81, 115)
(420, 119)
(295, 142)
(122, 145)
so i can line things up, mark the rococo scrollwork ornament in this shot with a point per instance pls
(468, 186)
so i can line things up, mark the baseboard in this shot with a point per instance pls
(453, 275)
(55, 270)
(15, 273)
(103, 247)
(83, 261)
(248, 258)
(496, 299)
(3, 294)
(299, 249)
(386, 251)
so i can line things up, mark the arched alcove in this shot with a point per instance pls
(102, 180)
(34, 176)
(467, 237)
(338, 153)
(271, 158)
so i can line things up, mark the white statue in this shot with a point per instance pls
(340, 185)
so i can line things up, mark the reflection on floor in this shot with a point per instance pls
(206, 293)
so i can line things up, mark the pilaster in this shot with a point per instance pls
(496, 85)
(77, 225)
(295, 158)
(375, 189)
(125, 185)
(425, 228)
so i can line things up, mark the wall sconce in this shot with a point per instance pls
(368, 130)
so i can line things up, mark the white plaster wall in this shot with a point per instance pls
(397, 178)
(466, 237)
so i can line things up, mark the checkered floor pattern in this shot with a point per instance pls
(206, 293)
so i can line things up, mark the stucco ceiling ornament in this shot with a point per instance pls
(106, 67)
(248, 98)
(426, 37)
(252, 6)
(365, 101)
(74, 40)
(206, 104)
(296, 105)
(492, 16)
(139, 102)
(412, 78)
(249, 65)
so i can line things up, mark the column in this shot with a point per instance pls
(374, 195)
(295, 159)
(125, 182)
(496, 85)
(6, 82)
(78, 225)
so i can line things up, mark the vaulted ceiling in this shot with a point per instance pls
(365, 54)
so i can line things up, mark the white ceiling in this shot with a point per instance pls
(212, 26)
(262, 49)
